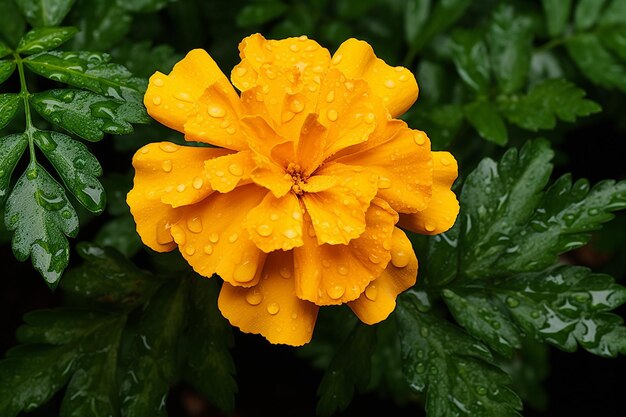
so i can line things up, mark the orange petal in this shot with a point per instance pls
(212, 238)
(396, 86)
(335, 274)
(311, 144)
(276, 223)
(172, 173)
(404, 167)
(443, 208)
(261, 135)
(153, 219)
(271, 308)
(229, 171)
(379, 298)
(338, 213)
(215, 119)
(171, 98)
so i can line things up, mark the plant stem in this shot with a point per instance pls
(24, 93)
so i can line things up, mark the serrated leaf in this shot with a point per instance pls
(260, 12)
(6, 69)
(587, 13)
(88, 115)
(88, 70)
(595, 62)
(107, 277)
(44, 12)
(510, 39)
(547, 101)
(444, 14)
(4, 49)
(455, 371)
(40, 216)
(350, 369)
(143, 6)
(563, 305)
(484, 116)
(152, 359)
(9, 103)
(102, 25)
(11, 149)
(468, 52)
(77, 167)
(12, 23)
(557, 14)
(44, 39)
(209, 367)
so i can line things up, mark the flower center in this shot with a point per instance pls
(297, 177)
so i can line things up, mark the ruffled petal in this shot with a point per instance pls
(379, 298)
(212, 238)
(171, 98)
(338, 213)
(271, 307)
(335, 274)
(276, 223)
(311, 144)
(441, 213)
(172, 173)
(229, 171)
(154, 220)
(396, 86)
(404, 167)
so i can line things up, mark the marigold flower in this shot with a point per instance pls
(297, 204)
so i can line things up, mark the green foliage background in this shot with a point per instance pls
(529, 97)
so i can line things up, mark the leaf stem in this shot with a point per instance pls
(25, 94)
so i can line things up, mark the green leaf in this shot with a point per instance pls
(587, 13)
(5, 49)
(415, 15)
(349, 369)
(120, 233)
(468, 52)
(107, 277)
(40, 216)
(564, 306)
(11, 149)
(91, 71)
(260, 12)
(529, 368)
(6, 69)
(209, 367)
(143, 59)
(596, 62)
(44, 12)
(9, 104)
(454, 370)
(152, 359)
(484, 116)
(44, 39)
(88, 115)
(557, 14)
(443, 15)
(143, 6)
(510, 39)
(442, 124)
(102, 25)
(77, 167)
(12, 23)
(547, 101)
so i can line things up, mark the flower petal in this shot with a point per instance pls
(276, 223)
(404, 167)
(379, 298)
(335, 274)
(171, 98)
(229, 171)
(172, 173)
(338, 213)
(154, 220)
(311, 144)
(396, 86)
(271, 307)
(212, 238)
(441, 213)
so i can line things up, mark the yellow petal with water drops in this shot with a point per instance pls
(230, 171)
(404, 168)
(215, 119)
(338, 213)
(335, 274)
(212, 238)
(396, 86)
(260, 135)
(172, 173)
(319, 183)
(153, 219)
(311, 144)
(171, 98)
(379, 298)
(271, 307)
(443, 208)
(276, 223)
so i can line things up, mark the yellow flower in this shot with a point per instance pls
(297, 204)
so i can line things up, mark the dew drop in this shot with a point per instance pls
(535, 314)
(273, 308)
(216, 111)
(168, 147)
(208, 249)
(284, 272)
(163, 234)
(371, 292)
(235, 169)
(336, 59)
(512, 302)
(245, 271)
(66, 214)
(420, 368)
(390, 84)
(233, 238)
(430, 227)
(294, 315)
(264, 230)
(231, 130)
(481, 391)
(330, 96)
(374, 259)
(336, 291)
(384, 182)
(296, 215)
(181, 187)
(444, 161)
(593, 212)
(214, 237)
(387, 245)
(158, 82)
(194, 224)
(197, 183)
(399, 259)
(274, 217)
(420, 138)
(424, 331)
(254, 298)
(332, 115)
(184, 97)
(342, 270)
(290, 233)
(167, 165)
(190, 250)
(293, 47)
(156, 100)
(296, 105)
(241, 71)
(370, 117)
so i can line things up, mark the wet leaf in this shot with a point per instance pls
(144, 6)
(557, 14)
(547, 101)
(11, 149)
(258, 13)
(143, 59)
(88, 70)
(454, 371)
(12, 23)
(443, 15)
(587, 13)
(88, 115)
(596, 62)
(468, 52)
(484, 116)
(6, 69)
(9, 104)
(44, 12)
(40, 216)
(4, 49)
(44, 39)
(120, 233)
(102, 25)
(77, 167)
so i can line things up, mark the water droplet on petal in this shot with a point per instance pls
(241, 71)
(184, 97)
(190, 250)
(390, 84)
(273, 308)
(332, 115)
(169, 147)
(374, 259)
(336, 59)
(231, 130)
(294, 315)
(371, 292)
(444, 161)
(290, 233)
(400, 258)
(208, 249)
(158, 82)
(285, 272)
(264, 230)
(430, 227)
(235, 169)
(370, 117)
(296, 105)
(420, 137)
(181, 187)
(245, 271)
(214, 237)
(233, 238)
(342, 270)
(216, 111)
(194, 224)
(293, 47)
(330, 96)
(336, 291)
(156, 100)
(384, 182)
(253, 297)
(197, 183)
